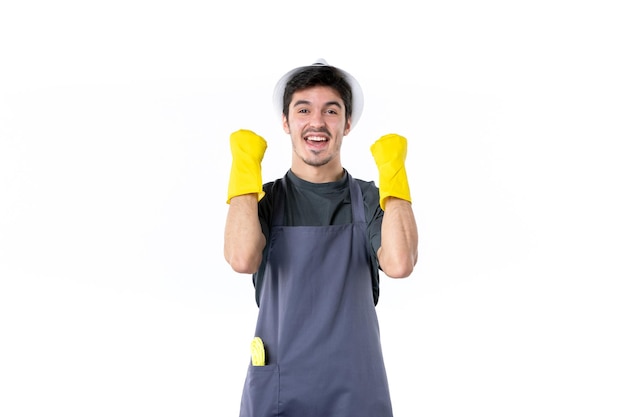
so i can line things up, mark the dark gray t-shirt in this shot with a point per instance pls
(313, 204)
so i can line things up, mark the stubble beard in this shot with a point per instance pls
(315, 162)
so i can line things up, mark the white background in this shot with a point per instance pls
(115, 299)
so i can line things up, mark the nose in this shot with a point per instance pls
(317, 119)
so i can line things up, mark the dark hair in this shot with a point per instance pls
(314, 76)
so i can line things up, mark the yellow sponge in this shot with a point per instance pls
(258, 352)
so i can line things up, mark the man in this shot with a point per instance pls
(314, 242)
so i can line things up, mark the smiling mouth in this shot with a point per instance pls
(316, 139)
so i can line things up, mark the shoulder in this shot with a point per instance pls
(269, 187)
(369, 190)
(270, 193)
(366, 185)
(371, 200)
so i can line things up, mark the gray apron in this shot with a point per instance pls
(318, 323)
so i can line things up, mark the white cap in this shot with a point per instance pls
(357, 92)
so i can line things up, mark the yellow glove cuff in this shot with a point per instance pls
(247, 149)
(389, 152)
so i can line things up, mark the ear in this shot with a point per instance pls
(286, 124)
(348, 126)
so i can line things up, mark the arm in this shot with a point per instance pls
(397, 254)
(243, 238)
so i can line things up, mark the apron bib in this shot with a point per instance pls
(318, 322)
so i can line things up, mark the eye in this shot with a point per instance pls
(332, 111)
(302, 110)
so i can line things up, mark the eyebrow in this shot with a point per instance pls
(328, 103)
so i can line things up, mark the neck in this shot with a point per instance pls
(323, 174)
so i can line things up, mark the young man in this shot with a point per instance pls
(314, 242)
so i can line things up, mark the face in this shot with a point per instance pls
(317, 125)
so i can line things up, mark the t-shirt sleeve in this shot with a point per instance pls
(265, 219)
(265, 209)
(374, 216)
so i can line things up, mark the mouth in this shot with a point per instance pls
(316, 139)
(316, 142)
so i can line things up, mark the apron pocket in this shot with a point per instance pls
(260, 394)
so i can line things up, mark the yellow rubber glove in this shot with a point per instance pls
(390, 153)
(257, 351)
(247, 149)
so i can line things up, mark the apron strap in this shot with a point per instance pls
(356, 201)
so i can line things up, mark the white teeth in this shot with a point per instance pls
(316, 139)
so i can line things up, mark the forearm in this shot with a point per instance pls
(243, 238)
(397, 255)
